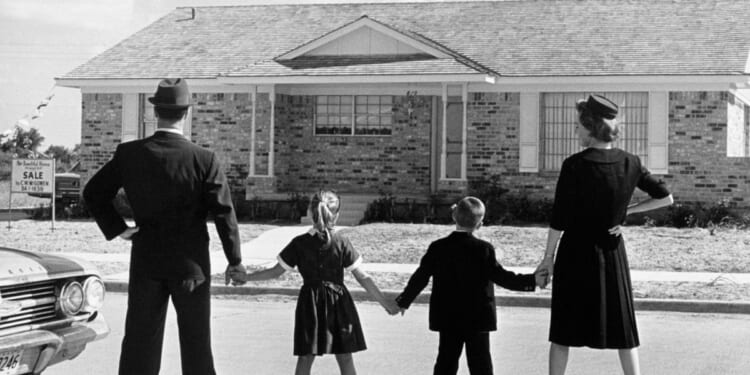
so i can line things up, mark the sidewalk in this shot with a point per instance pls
(263, 250)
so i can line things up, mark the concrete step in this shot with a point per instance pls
(353, 209)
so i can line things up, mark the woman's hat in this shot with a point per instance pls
(599, 105)
(172, 93)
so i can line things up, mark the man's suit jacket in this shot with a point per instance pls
(172, 185)
(463, 269)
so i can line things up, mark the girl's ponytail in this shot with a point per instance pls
(324, 207)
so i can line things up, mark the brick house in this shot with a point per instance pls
(418, 99)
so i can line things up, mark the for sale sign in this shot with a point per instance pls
(33, 176)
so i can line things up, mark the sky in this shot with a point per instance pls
(44, 39)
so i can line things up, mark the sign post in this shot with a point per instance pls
(34, 176)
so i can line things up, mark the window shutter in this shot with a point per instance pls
(658, 132)
(528, 153)
(129, 117)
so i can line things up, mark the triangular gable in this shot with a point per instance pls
(363, 37)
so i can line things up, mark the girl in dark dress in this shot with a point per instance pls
(326, 320)
(592, 300)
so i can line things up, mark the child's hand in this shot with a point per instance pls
(541, 277)
(402, 310)
(391, 307)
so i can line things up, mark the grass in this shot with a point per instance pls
(85, 237)
(649, 248)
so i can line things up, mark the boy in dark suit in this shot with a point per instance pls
(462, 304)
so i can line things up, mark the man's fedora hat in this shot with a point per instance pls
(599, 105)
(172, 93)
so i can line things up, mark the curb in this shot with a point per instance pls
(641, 304)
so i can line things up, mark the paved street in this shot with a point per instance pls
(253, 335)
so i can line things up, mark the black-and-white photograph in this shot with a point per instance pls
(542, 187)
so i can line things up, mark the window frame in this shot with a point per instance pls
(638, 110)
(353, 114)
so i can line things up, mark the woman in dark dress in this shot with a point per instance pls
(592, 300)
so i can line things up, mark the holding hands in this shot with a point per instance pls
(391, 307)
(235, 274)
(543, 273)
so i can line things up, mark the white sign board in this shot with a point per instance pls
(32, 176)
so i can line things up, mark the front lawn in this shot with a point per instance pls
(649, 248)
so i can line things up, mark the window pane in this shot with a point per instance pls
(346, 99)
(322, 99)
(559, 118)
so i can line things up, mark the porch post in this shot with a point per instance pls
(464, 100)
(272, 96)
(254, 100)
(443, 136)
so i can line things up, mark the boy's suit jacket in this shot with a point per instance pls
(463, 269)
(171, 185)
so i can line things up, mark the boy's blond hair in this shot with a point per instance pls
(468, 212)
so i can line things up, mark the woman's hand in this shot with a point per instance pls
(128, 233)
(545, 268)
(615, 231)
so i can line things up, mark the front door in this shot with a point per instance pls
(453, 141)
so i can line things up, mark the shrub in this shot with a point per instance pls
(298, 203)
(690, 215)
(381, 209)
(521, 209)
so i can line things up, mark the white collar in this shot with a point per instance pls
(169, 130)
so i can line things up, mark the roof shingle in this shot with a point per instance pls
(511, 38)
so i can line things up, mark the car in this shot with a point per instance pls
(49, 309)
(67, 189)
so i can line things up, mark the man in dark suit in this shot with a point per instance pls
(172, 185)
(462, 304)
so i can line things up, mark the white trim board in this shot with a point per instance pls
(364, 21)
(362, 79)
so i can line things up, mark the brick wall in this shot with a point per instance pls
(493, 145)
(221, 122)
(699, 169)
(101, 131)
(398, 163)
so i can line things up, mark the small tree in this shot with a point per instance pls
(21, 142)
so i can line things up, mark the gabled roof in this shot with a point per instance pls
(362, 22)
(525, 38)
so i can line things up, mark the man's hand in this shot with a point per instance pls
(128, 233)
(235, 274)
